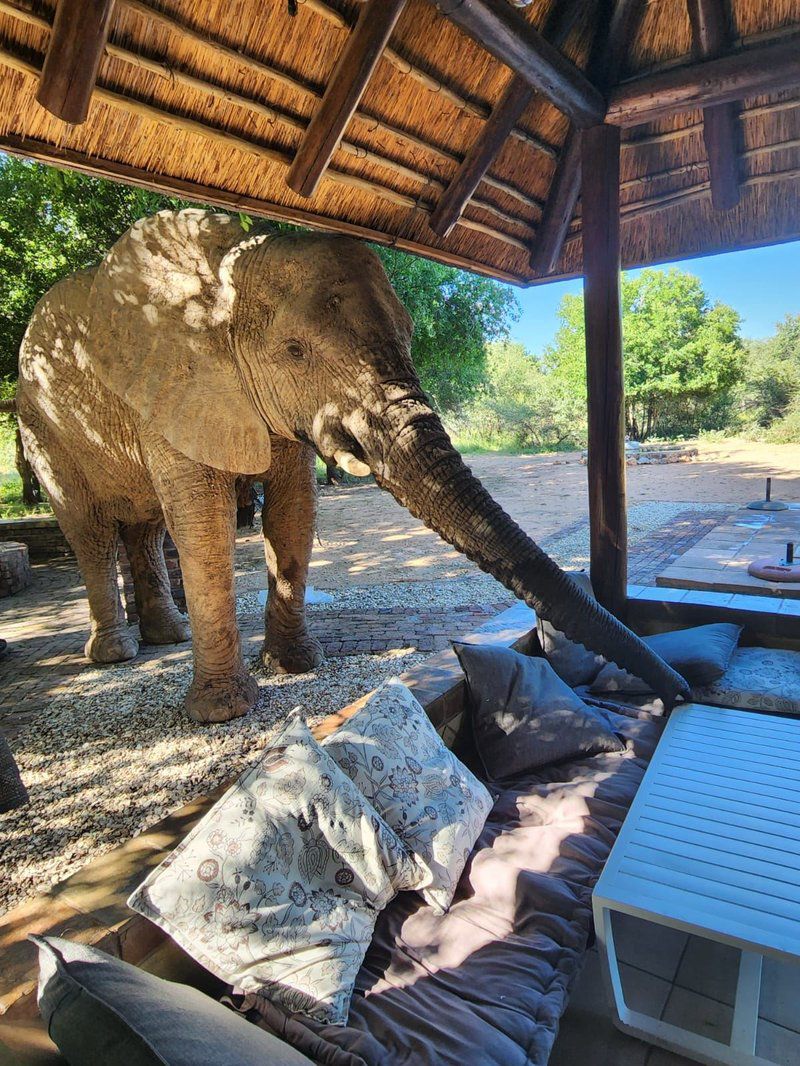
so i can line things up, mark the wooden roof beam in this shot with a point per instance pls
(349, 80)
(79, 35)
(565, 188)
(502, 120)
(509, 37)
(515, 99)
(710, 39)
(767, 68)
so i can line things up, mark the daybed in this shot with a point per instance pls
(485, 983)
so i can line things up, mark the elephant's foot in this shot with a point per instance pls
(297, 655)
(168, 628)
(223, 698)
(115, 647)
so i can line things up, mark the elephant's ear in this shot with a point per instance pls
(159, 319)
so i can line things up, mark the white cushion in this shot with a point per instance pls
(277, 889)
(431, 800)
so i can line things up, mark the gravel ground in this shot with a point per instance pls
(116, 752)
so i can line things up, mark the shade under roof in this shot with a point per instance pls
(210, 99)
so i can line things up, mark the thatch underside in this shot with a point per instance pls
(211, 99)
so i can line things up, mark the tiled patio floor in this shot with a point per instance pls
(684, 980)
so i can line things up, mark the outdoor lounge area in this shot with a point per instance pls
(569, 830)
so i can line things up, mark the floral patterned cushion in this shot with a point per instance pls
(278, 888)
(763, 679)
(430, 799)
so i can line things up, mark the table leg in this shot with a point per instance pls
(740, 1051)
(745, 1011)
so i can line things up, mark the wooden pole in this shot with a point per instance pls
(604, 66)
(73, 57)
(349, 80)
(604, 372)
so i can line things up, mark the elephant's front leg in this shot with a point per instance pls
(290, 504)
(199, 506)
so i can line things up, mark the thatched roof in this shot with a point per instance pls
(210, 98)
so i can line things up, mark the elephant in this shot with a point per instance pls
(199, 351)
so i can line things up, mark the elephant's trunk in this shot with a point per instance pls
(417, 463)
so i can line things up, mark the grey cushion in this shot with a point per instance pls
(573, 663)
(100, 1010)
(524, 716)
(700, 654)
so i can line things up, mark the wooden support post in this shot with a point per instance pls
(77, 41)
(709, 39)
(604, 370)
(508, 35)
(345, 89)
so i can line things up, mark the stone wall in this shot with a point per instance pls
(15, 569)
(175, 579)
(41, 533)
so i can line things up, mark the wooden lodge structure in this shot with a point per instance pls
(528, 140)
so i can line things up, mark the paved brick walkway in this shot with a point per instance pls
(46, 626)
(651, 556)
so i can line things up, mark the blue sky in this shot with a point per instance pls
(763, 284)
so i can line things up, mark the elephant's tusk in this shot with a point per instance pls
(348, 462)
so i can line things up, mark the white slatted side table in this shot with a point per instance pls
(711, 846)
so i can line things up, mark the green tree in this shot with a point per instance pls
(520, 406)
(772, 378)
(455, 315)
(683, 355)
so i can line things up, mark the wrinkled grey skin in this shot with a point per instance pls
(194, 353)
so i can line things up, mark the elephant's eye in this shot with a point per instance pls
(295, 351)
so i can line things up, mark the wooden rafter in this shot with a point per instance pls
(518, 95)
(710, 38)
(758, 71)
(80, 31)
(346, 87)
(565, 188)
(502, 120)
(276, 114)
(507, 34)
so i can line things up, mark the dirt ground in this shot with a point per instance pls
(366, 538)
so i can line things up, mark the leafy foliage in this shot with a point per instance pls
(455, 315)
(771, 391)
(520, 406)
(682, 354)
